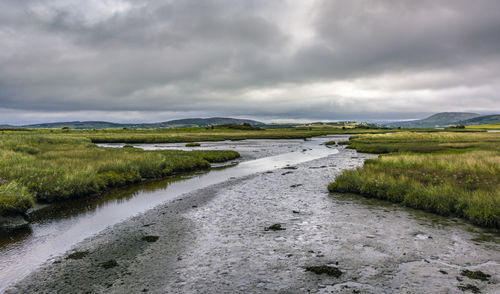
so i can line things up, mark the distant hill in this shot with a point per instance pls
(179, 123)
(481, 120)
(442, 119)
(76, 125)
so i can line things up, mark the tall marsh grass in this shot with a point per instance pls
(460, 178)
(48, 168)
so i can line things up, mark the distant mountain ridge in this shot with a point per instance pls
(481, 120)
(187, 122)
(442, 119)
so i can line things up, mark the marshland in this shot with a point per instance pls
(249, 146)
(49, 175)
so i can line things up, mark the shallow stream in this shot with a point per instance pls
(56, 228)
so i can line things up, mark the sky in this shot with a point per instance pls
(275, 61)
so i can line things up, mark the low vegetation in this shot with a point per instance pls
(495, 126)
(193, 144)
(451, 174)
(53, 167)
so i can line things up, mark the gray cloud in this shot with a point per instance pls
(268, 59)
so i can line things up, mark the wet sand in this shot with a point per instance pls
(214, 240)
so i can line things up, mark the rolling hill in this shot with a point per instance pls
(179, 123)
(442, 119)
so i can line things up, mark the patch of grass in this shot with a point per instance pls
(445, 173)
(488, 126)
(14, 198)
(193, 144)
(48, 167)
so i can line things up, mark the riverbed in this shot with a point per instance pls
(210, 237)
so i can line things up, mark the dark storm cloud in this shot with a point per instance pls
(297, 59)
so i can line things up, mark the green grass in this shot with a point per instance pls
(445, 173)
(48, 167)
(184, 135)
(193, 144)
(488, 126)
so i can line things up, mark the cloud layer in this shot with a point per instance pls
(157, 60)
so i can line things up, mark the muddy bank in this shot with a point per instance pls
(214, 240)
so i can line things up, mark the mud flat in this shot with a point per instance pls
(217, 240)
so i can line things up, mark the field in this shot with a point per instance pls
(53, 167)
(486, 127)
(451, 174)
(200, 134)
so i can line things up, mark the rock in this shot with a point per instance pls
(12, 223)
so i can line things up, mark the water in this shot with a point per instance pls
(57, 228)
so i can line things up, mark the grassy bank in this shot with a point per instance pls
(445, 173)
(52, 167)
(221, 133)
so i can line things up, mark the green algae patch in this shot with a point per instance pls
(109, 264)
(77, 255)
(275, 227)
(469, 287)
(325, 269)
(150, 238)
(475, 275)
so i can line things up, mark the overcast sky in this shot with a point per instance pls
(139, 60)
